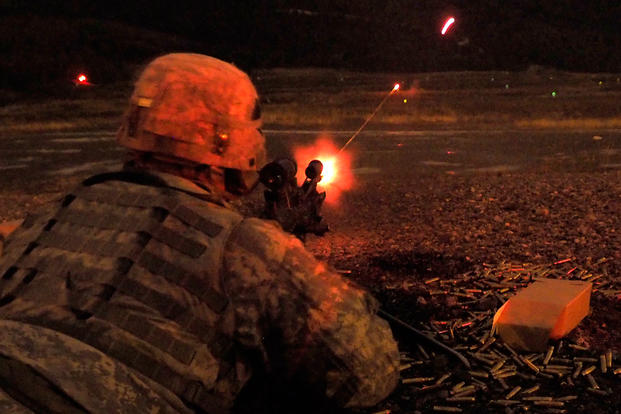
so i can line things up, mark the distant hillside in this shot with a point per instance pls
(44, 54)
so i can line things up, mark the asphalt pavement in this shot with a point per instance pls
(26, 161)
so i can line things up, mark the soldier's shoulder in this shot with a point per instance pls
(262, 238)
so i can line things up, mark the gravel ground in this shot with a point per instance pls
(392, 235)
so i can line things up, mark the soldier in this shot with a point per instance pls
(142, 291)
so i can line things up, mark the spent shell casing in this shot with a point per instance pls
(592, 381)
(596, 391)
(513, 392)
(517, 360)
(548, 356)
(427, 388)
(530, 365)
(505, 374)
(502, 383)
(585, 359)
(565, 361)
(461, 399)
(537, 398)
(382, 412)
(479, 374)
(588, 370)
(577, 370)
(550, 403)
(544, 375)
(497, 366)
(509, 349)
(487, 344)
(531, 389)
(464, 393)
(567, 398)
(403, 367)
(609, 358)
(417, 380)
(617, 371)
(422, 351)
(602, 363)
(504, 402)
(578, 347)
(464, 389)
(434, 279)
(481, 384)
(560, 367)
(457, 386)
(443, 378)
(446, 409)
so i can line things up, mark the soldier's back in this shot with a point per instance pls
(113, 298)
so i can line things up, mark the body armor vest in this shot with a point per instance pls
(132, 267)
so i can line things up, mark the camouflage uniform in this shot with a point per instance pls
(140, 293)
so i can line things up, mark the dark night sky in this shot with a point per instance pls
(385, 35)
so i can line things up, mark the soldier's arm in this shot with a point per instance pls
(312, 323)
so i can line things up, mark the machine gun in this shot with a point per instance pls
(296, 208)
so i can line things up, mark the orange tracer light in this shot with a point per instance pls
(449, 22)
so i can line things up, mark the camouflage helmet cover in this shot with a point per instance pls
(197, 108)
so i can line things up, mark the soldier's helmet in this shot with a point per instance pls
(196, 108)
